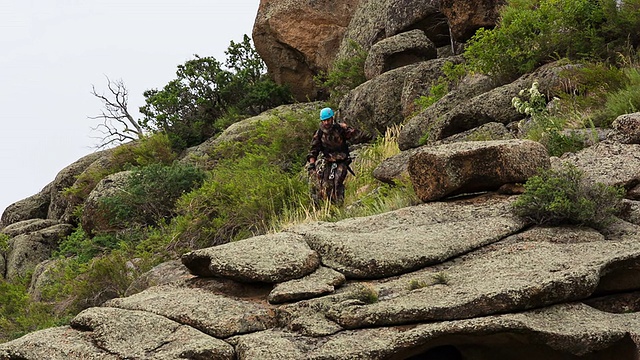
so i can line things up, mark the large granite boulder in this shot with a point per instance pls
(298, 39)
(626, 129)
(465, 17)
(33, 207)
(94, 217)
(517, 297)
(474, 166)
(408, 239)
(398, 51)
(266, 258)
(609, 163)
(438, 122)
(29, 249)
(383, 101)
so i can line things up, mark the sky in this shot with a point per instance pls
(53, 51)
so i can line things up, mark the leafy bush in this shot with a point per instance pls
(624, 100)
(154, 149)
(533, 32)
(565, 196)
(188, 108)
(345, 75)
(18, 314)
(151, 193)
(238, 201)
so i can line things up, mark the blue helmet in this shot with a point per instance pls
(326, 113)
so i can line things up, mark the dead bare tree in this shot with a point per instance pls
(117, 125)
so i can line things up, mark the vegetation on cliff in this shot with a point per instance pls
(258, 185)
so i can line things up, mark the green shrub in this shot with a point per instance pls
(533, 32)
(150, 194)
(239, 200)
(20, 315)
(565, 196)
(625, 100)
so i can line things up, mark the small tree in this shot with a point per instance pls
(117, 124)
(191, 108)
(566, 196)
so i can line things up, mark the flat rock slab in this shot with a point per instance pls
(408, 239)
(211, 313)
(270, 258)
(473, 166)
(559, 332)
(59, 343)
(609, 163)
(143, 335)
(547, 267)
(322, 281)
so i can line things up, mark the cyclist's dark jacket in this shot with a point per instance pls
(332, 143)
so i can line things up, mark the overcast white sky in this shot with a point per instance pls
(52, 51)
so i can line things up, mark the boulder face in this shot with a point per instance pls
(398, 51)
(297, 39)
(466, 17)
(468, 167)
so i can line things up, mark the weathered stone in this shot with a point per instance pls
(418, 127)
(609, 163)
(396, 168)
(267, 258)
(298, 39)
(626, 129)
(467, 167)
(162, 274)
(28, 250)
(408, 239)
(41, 277)
(406, 15)
(465, 18)
(28, 226)
(94, 217)
(33, 207)
(131, 334)
(419, 80)
(61, 207)
(539, 270)
(367, 27)
(492, 106)
(58, 343)
(212, 313)
(398, 51)
(322, 281)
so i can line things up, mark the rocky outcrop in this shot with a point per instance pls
(626, 129)
(381, 102)
(94, 216)
(398, 51)
(298, 39)
(267, 258)
(608, 163)
(493, 289)
(465, 17)
(439, 122)
(29, 249)
(467, 167)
